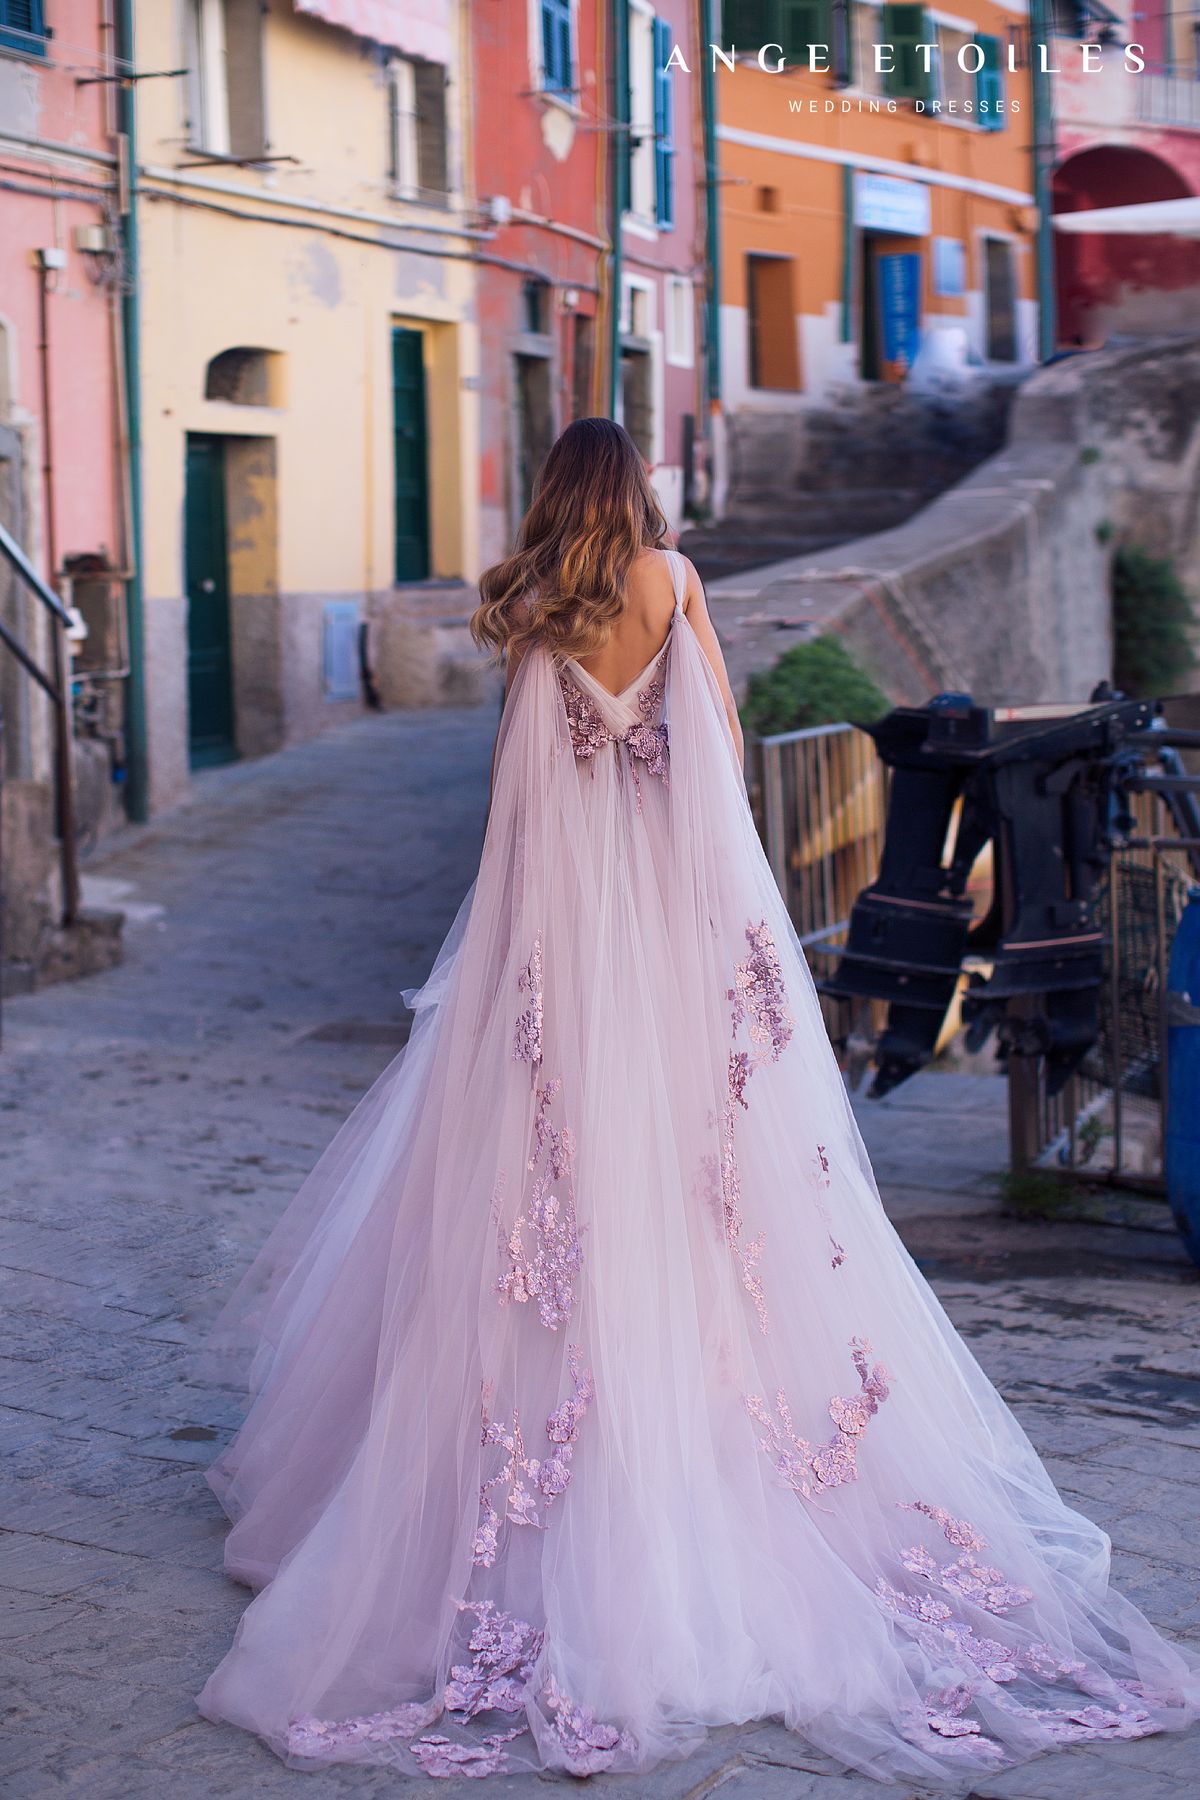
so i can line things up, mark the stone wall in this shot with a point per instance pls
(1001, 586)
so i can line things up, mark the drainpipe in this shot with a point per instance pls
(64, 750)
(1043, 162)
(712, 221)
(847, 323)
(137, 786)
(620, 163)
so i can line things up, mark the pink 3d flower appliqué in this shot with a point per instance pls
(802, 1467)
(547, 1272)
(532, 1483)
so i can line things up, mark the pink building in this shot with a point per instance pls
(61, 484)
(662, 254)
(1125, 135)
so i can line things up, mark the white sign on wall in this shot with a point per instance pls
(886, 203)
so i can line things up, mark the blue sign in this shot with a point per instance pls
(899, 311)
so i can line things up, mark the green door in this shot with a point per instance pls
(206, 563)
(411, 503)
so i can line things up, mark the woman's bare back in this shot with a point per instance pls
(641, 631)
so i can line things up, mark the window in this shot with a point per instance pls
(664, 119)
(245, 376)
(793, 25)
(1000, 300)
(535, 306)
(680, 322)
(558, 64)
(225, 79)
(23, 26)
(417, 99)
(642, 115)
(866, 36)
(989, 85)
(772, 351)
(582, 366)
(904, 27)
(954, 84)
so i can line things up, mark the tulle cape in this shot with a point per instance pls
(594, 1400)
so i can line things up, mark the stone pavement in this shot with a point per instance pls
(157, 1117)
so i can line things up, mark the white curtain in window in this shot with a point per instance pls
(417, 27)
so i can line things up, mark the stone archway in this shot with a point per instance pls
(1113, 283)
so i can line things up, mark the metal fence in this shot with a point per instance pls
(820, 797)
(1109, 1121)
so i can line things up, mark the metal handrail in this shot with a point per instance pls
(57, 688)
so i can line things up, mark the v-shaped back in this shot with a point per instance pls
(630, 691)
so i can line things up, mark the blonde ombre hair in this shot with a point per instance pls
(563, 586)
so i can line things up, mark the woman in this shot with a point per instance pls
(596, 1401)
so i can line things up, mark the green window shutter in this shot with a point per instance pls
(23, 26)
(748, 23)
(989, 85)
(801, 23)
(842, 27)
(904, 27)
(664, 124)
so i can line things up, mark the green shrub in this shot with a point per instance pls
(1152, 620)
(817, 683)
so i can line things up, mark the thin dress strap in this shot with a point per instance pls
(678, 576)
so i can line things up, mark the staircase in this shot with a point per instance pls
(865, 461)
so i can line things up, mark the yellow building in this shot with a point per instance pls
(875, 190)
(308, 359)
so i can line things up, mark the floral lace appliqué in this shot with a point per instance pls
(834, 1463)
(820, 1179)
(758, 996)
(327, 1738)
(527, 1035)
(504, 1650)
(646, 742)
(589, 733)
(760, 1004)
(532, 1483)
(547, 1273)
(588, 1745)
(441, 1758)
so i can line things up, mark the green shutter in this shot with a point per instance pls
(842, 27)
(904, 27)
(801, 23)
(745, 24)
(989, 84)
(664, 129)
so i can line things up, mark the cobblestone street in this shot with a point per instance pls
(156, 1118)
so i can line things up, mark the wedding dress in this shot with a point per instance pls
(595, 1399)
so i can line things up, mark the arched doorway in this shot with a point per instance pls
(1114, 283)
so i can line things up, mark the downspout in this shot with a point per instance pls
(619, 16)
(847, 254)
(137, 785)
(64, 750)
(1043, 162)
(712, 222)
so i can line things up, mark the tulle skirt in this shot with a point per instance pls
(595, 1401)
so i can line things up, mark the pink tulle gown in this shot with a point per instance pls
(595, 1399)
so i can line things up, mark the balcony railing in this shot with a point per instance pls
(1168, 100)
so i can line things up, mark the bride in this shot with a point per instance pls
(595, 1401)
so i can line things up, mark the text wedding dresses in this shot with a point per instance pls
(595, 1399)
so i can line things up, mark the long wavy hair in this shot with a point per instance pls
(564, 584)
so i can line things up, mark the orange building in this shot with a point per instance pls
(875, 186)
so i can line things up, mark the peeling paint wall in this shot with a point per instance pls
(314, 259)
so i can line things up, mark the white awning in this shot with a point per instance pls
(1179, 218)
(420, 28)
